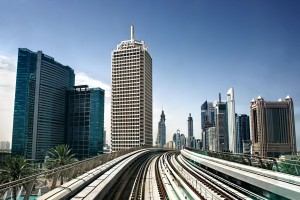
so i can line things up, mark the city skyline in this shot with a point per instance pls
(195, 46)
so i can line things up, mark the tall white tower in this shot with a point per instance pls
(131, 104)
(231, 120)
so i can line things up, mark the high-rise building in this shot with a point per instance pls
(40, 99)
(221, 126)
(212, 139)
(190, 131)
(207, 115)
(161, 136)
(131, 113)
(207, 121)
(242, 134)
(85, 121)
(231, 120)
(174, 137)
(273, 127)
(190, 126)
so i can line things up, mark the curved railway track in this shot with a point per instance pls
(210, 175)
(217, 190)
(138, 189)
(160, 185)
(122, 189)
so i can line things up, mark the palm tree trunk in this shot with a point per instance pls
(15, 193)
(61, 179)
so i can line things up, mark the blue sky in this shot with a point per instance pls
(199, 48)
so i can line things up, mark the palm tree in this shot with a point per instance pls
(14, 169)
(59, 156)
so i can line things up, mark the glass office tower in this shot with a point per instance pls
(85, 121)
(242, 133)
(40, 99)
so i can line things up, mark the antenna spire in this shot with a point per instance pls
(132, 33)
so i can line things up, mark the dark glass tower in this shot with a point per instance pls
(162, 130)
(243, 132)
(40, 99)
(85, 121)
(207, 121)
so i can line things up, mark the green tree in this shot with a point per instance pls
(15, 168)
(59, 156)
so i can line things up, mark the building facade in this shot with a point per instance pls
(161, 136)
(40, 99)
(190, 137)
(221, 132)
(273, 127)
(242, 134)
(85, 121)
(231, 120)
(131, 113)
(207, 121)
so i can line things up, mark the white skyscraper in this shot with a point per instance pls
(131, 113)
(231, 120)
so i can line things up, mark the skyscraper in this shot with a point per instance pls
(273, 127)
(131, 113)
(207, 121)
(231, 120)
(40, 99)
(207, 115)
(161, 139)
(190, 126)
(221, 131)
(85, 121)
(190, 137)
(242, 134)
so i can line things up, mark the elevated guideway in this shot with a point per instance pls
(131, 176)
(267, 183)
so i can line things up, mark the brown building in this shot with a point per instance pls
(273, 127)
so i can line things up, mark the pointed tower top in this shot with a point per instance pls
(259, 97)
(279, 99)
(287, 97)
(252, 100)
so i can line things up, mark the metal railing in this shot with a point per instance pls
(47, 180)
(291, 166)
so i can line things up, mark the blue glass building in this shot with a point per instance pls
(40, 99)
(85, 121)
(243, 132)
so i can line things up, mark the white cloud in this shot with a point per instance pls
(7, 93)
(82, 78)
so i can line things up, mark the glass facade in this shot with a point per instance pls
(40, 99)
(85, 121)
(24, 101)
(243, 132)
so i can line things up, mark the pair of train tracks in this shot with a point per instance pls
(214, 191)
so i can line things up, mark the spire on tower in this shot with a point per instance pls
(132, 33)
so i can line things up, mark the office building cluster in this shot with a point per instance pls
(272, 127)
(50, 110)
(218, 123)
(180, 141)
